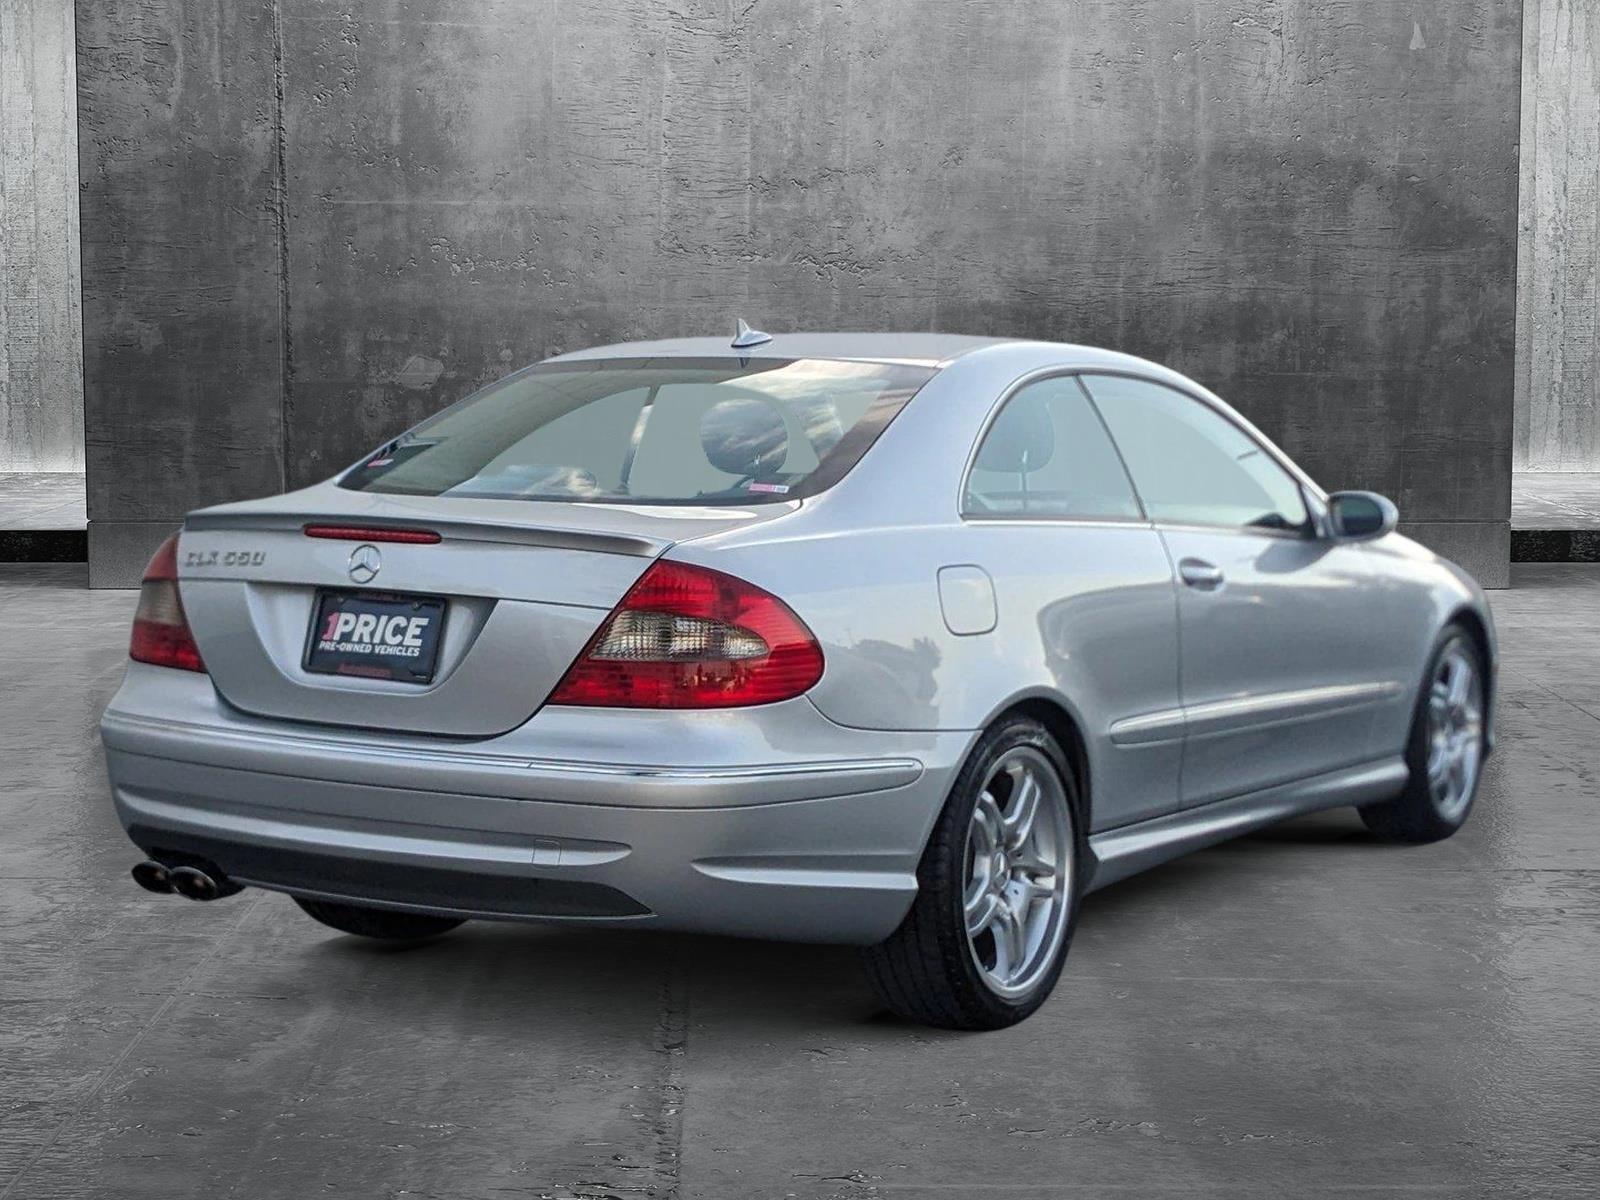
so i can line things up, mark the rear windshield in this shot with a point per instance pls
(650, 431)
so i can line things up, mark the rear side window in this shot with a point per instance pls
(1191, 464)
(1046, 454)
(650, 431)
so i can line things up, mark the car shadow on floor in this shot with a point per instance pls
(1336, 827)
(1185, 881)
(527, 973)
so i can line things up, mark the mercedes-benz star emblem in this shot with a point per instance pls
(365, 562)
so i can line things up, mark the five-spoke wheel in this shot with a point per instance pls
(1455, 729)
(1019, 870)
(997, 889)
(1446, 747)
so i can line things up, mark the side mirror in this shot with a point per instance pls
(1361, 516)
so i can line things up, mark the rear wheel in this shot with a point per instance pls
(387, 924)
(998, 890)
(1445, 751)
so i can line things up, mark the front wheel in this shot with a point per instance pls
(1445, 749)
(997, 890)
(383, 923)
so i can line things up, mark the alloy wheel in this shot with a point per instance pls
(1019, 867)
(1455, 731)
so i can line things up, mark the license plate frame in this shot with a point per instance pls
(395, 652)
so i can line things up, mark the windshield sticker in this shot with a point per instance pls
(779, 488)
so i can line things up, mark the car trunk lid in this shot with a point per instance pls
(524, 583)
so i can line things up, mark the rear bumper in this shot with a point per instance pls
(809, 849)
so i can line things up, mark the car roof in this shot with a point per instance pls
(927, 348)
(924, 349)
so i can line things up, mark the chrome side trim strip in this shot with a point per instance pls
(1163, 726)
(888, 766)
(1233, 716)
(1249, 712)
(1122, 852)
(864, 871)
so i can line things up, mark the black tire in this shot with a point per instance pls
(1417, 816)
(386, 924)
(925, 970)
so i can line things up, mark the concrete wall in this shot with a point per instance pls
(311, 222)
(41, 347)
(1558, 333)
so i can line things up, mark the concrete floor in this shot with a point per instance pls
(1303, 1013)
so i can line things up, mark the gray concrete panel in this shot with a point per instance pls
(41, 340)
(183, 345)
(1558, 315)
(1310, 207)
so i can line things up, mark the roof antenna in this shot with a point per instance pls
(744, 336)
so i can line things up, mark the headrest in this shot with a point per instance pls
(1021, 440)
(744, 437)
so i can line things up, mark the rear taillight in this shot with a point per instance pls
(160, 631)
(689, 637)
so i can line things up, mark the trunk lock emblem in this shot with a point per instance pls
(365, 563)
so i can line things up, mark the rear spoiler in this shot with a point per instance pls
(631, 545)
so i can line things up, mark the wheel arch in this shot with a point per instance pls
(1063, 725)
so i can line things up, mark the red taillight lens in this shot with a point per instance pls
(689, 637)
(160, 631)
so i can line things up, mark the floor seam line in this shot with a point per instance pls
(1549, 691)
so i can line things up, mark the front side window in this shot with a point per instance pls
(650, 431)
(1047, 455)
(1191, 464)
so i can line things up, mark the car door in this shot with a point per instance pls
(1286, 665)
(1087, 589)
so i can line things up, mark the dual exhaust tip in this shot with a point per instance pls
(192, 882)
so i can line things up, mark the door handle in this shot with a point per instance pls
(1198, 573)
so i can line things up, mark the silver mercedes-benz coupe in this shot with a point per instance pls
(909, 641)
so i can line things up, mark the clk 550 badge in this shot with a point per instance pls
(224, 558)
